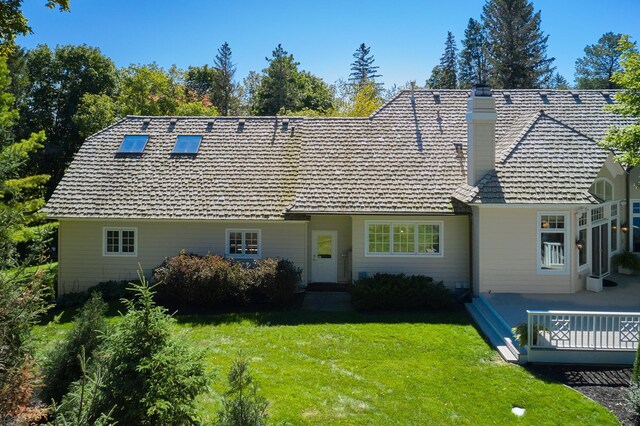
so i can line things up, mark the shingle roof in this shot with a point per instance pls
(246, 172)
(401, 160)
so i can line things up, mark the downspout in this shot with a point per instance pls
(471, 253)
(627, 188)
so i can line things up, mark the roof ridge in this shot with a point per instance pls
(506, 152)
(115, 123)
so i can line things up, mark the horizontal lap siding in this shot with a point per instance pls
(452, 268)
(82, 264)
(507, 253)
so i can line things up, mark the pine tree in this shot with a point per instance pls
(473, 67)
(600, 62)
(362, 68)
(445, 75)
(516, 46)
(223, 85)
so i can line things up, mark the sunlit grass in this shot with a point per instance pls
(349, 368)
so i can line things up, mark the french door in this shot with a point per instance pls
(600, 250)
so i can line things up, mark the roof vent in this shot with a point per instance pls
(506, 94)
(574, 94)
(458, 147)
(606, 94)
(285, 121)
(543, 94)
(173, 121)
(210, 124)
(146, 121)
(241, 122)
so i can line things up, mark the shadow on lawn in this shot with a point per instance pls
(292, 318)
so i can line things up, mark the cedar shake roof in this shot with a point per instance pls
(400, 160)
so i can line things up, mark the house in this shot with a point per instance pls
(493, 190)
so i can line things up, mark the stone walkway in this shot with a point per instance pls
(330, 301)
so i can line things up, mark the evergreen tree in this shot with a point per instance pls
(473, 66)
(445, 75)
(600, 62)
(558, 82)
(516, 45)
(362, 68)
(223, 89)
(278, 86)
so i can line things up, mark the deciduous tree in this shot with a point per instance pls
(625, 140)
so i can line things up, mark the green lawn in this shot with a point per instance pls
(382, 369)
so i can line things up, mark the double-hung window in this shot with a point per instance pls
(120, 241)
(403, 238)
(553, 242)
(243, 243)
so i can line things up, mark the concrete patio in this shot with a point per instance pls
(625, 297)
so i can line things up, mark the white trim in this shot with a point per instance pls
(440, 224)
(587, 241)
(567, 236)
(147, 220)
(119, 229)
(531, 206)
(243, 231)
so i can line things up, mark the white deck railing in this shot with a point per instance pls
(552, 254)
(583, 330)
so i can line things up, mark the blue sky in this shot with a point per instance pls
(406, 37)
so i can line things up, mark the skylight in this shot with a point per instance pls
(133, 144)
(187, 144)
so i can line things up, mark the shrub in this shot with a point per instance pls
(62, 365)
(399, 291)
(632, 399)
(274, 281)
(213, 281)
(110, 291)
(149, 375)
(242, 406)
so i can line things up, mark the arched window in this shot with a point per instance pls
(603, 189)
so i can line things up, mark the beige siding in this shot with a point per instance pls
(452, 268)
(475, 249)
(341, 224)
(82, 263)
(616, 175)
(507, 256)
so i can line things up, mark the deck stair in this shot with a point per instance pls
(497, 330)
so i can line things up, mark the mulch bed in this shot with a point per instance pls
(605, 385)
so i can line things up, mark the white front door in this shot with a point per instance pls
(324, 256)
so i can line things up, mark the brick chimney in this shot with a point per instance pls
(481, 133)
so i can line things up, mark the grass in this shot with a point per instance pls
(352, 369)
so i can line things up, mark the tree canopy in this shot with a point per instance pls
(516, 46)
(601, 60)
(625, 140)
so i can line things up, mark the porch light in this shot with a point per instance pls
(614, 228)
(624, 227)
(580, 244)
